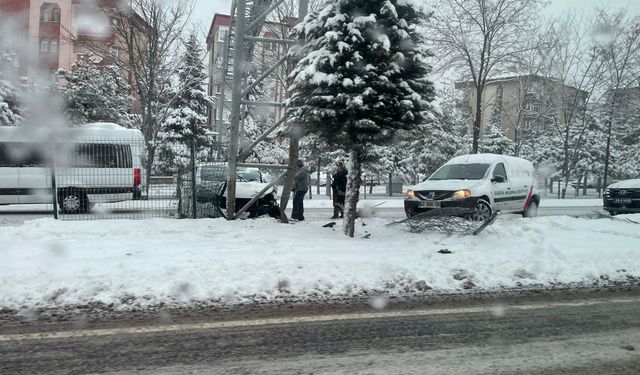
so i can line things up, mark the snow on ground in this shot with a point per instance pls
(316, 202)
(396, 202)
(48, 263)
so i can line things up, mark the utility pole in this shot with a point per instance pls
(247, 20)
(294, 139)
(236, 102)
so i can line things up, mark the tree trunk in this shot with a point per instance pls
(477, 121)
(353, 193)
(584, 185)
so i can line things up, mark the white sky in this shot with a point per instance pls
(205, 9)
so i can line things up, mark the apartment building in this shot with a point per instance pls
(524, 103)
(263, 56)
(56, 30)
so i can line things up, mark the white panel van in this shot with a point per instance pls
(486, 183)
(95, 163)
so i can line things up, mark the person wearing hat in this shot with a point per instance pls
(301, 182)
(339, 187)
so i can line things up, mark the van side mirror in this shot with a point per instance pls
(497, 179)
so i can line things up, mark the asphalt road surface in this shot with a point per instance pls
(566, 335)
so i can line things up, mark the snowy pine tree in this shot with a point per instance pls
(361, 77)
(274, 149)
(10, 113)
(186, 120)
(590, 157)
(494, 141)
(95, 94)
(445, 138)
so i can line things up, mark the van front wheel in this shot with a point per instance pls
(73, 201)
(482, 211)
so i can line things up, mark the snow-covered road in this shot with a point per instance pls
(46, 263)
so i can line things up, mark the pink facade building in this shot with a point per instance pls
(52, 29)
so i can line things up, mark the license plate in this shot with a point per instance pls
(622, 200)
(430, 204)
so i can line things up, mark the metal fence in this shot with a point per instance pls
(93, 179)
(106, 178)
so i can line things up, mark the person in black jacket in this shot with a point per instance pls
(339, 187)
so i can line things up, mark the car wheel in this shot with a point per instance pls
(613, 213)
(73, 202)
(482, 211)
(532, 211)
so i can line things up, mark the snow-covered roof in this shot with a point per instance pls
(490, 159)
(99, 130)
(510, 78)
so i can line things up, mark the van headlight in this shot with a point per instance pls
(411, 194)
(461, 194)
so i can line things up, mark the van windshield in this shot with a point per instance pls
(461, 172)
(218, 173)
(250, 175)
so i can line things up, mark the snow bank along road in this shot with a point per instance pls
(317, 208)
(123, 264)
(596, 335)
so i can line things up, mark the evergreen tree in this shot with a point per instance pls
(495, 141)
(590, 157)
(95, 94)
(627, 141)
(273, 150)
(186, 120)
(361, 78)
(445, 138)
(10, 113)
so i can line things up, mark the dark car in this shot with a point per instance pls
(623, 197)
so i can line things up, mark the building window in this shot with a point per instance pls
(55, 15)
(114, 51)
(222, 35)
(218, 89)
(533, 107)
(44, 14)
(530, 125)
(44, 45)
(54, 46)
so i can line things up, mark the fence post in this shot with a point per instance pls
(364, 185)
(318, 178)
(194, 190)
(180, 193)
(54, 186)
(559, 187)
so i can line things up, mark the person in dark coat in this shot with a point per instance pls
(339, 187)
(300, 187)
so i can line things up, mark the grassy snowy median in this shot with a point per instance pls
(45, 263)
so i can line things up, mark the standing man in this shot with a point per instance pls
(300, 186)
(339, 187)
